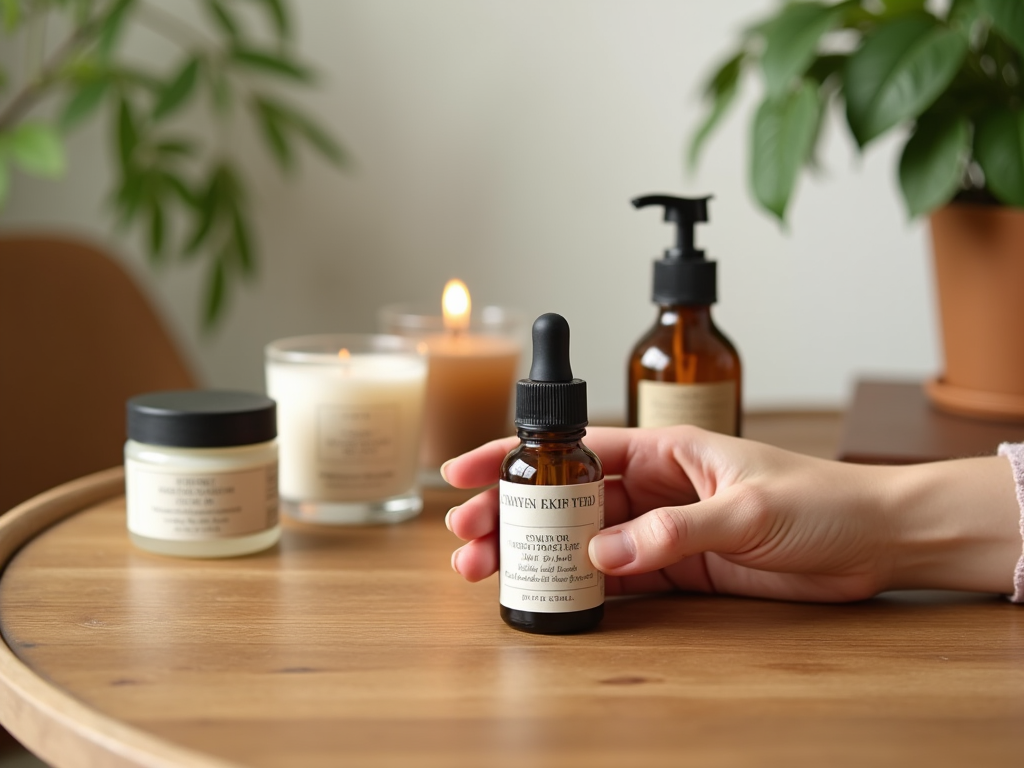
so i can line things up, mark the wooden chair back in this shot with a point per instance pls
(77, 339)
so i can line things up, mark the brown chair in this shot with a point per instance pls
(77, 339)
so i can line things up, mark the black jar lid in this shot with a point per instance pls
(201, 418)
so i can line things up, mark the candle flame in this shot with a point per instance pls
(456, 305)
(344, 354)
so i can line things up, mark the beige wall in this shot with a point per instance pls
(500, 142)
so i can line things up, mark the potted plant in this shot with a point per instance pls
(953, 80)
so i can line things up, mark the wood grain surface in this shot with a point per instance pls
(359, 646)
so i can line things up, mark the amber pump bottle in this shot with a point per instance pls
(551, 498)
(684, 370)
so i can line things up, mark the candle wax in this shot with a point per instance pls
(469, 393)
(349, 430)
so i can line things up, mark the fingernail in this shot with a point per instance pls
(455, 561)
(447, 523)
(612, 550)
(443, 468)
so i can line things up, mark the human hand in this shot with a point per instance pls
(693, 510)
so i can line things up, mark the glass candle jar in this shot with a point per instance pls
(470, 382)
(201, 473)
(349, 415)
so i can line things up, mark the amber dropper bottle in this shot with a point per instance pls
(684, 370)
(551, 498)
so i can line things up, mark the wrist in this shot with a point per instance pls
(953, 525)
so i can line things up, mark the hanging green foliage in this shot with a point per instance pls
(165, 171)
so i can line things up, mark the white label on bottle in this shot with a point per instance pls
(198, 506)
(544, 532)
(666, 403)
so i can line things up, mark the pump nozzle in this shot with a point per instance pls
(683, 276)
(685, 212)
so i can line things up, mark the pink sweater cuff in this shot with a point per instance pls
(1015, 453)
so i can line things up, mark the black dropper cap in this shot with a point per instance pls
(683, 276)
(551, 400)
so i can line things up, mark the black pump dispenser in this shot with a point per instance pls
(683, 276)
(551, 400)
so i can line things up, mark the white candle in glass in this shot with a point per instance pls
(349, 415)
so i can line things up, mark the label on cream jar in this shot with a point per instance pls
(711, 406)
(544, 532)
(196, 506)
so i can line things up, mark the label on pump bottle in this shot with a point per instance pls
(667, 403)
(544, 533)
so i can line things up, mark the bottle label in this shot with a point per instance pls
(544, 533)
(667, 403)
(199, 506)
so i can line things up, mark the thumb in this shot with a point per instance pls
(666, 535)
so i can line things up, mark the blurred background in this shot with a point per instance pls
(501, 142)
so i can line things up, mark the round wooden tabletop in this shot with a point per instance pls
(359, 646)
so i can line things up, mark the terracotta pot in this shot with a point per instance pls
(979, 271)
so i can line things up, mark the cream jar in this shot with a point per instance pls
(201, 473)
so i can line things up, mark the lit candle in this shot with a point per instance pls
(349, 416)
(472, 373)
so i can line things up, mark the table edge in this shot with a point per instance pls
(54, 725)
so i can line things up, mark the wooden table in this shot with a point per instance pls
(892, 422)
(359, 646)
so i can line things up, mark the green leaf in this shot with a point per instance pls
(898, 72)
(208, 207)
(85, 101)
(721, 89)
(825, 66)
(897, 7)
(156, 229)
(127, 133)
(783, 137)
(37, 148)
(270, 63)
(232, 188)
(318, 138)
(932, 163)
(272, 122)
(177, 91)
(279, 121)
(176, 148)
(12, 14)
(223, 17)
(130, 194)
(791, 42)
(242, 243)
(180, 188)
(215, 293)
(999, 150)
(5, 181)
(1007, 18)
(963, 11)
(111, 27)
(279, 17)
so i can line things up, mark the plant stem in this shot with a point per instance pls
(36, 88)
